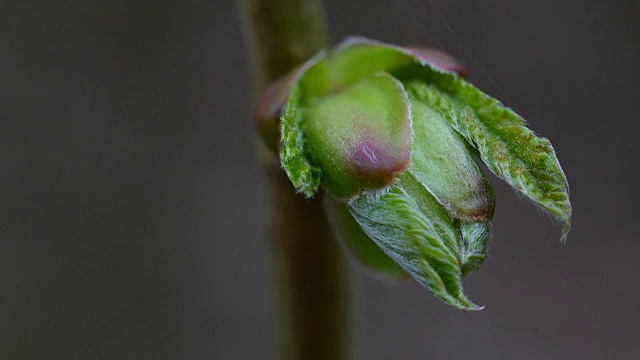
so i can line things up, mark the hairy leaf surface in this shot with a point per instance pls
(294, 160)
(510, 150)
(411, 226)
(358, 244)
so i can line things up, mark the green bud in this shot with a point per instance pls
(360, 136)
(390, 132)
(442, 163)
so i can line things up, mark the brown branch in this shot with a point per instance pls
(311, 276)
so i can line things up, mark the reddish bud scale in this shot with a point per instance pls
(268, 110)
(437, 58)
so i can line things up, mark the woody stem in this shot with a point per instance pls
(310, 272)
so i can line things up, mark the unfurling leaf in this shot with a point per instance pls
(441, 162)
(510, 150)
(411, 226)
(389, 134)
(358, 244)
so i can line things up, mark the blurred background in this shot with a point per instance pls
(132, 212)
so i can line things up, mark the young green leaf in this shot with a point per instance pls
(476, 237)
(411, 226)
(303, 174)
(357, 243)
(390, 131)
(510, 150)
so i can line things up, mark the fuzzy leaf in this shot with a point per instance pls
(358, 244)
(304, 176)
(476, 237)
(442, 163)
(510, 150)
(410, 226)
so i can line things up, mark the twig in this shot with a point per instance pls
(311, 276)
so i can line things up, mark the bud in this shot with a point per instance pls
(360, 136)
(441, 162)
(389, 132)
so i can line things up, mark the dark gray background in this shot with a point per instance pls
(132, 210)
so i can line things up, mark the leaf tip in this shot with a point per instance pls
(465, 304)
(566, 228)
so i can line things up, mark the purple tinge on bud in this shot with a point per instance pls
(360, 136)
(372, 157)
(437, 58)
(272, 101)
(268, 111)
